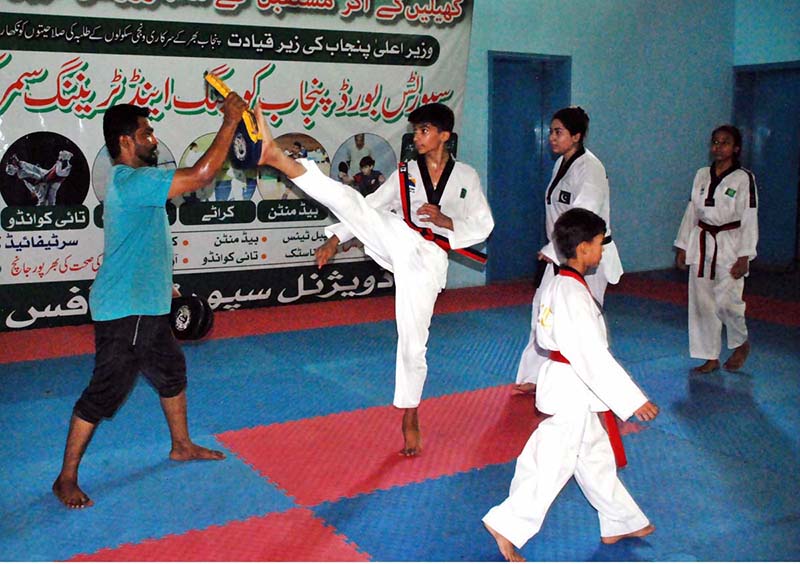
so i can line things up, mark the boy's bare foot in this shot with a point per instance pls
(524, 388)
(707, 367)
(413, 443)
(194, 452)
(412, 438)
(411, 451)
(68, 492)
(507, 549)
(736, 361)
(643, 532)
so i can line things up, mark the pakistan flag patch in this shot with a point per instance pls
(730, 192)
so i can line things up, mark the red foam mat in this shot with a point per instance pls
(347, 454)
(293, 536)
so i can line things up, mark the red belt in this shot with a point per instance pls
(713, 230)
(611, 423)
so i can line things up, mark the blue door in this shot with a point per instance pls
(766, 109)
(524, 92)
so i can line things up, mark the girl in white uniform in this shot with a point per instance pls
(579, 180)
(582, 379)
(439, 195)
(717, 239)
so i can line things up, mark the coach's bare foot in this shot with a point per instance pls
(508, 550)
(183, 453)
(68, 493)
(412, 438)
(643, 532)
(525, 388)
(740, 353)
(707, 367)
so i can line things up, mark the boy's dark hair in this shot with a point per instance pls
(574, 227)
(343, 167)
(575, 119)
(436, 114)
(122, 119)
(366, 161)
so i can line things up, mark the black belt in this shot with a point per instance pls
(713, 230)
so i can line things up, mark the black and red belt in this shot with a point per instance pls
(713, 230)
(612, 428)
(426, 232)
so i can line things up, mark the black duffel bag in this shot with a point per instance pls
(191, 317)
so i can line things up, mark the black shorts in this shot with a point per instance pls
(123, 348)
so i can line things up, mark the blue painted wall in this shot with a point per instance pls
(767, 31)
(655, 77)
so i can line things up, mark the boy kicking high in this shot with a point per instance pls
(427, 206)
(580, 379)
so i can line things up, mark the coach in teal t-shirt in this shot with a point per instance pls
(131, 296)
(136, 275)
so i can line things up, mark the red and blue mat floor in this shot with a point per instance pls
(299, 399)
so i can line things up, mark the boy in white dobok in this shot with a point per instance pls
(426, 207)
(580, 379)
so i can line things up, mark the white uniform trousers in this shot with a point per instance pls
(533, 357)
(713, 303)
(570, 443)
(419, 267)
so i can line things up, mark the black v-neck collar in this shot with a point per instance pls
(715, 181)
(562, 170)
(434, 193)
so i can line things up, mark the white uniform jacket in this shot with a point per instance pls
(571, 322)
(463, 201)
(585, 185)
(734, 198)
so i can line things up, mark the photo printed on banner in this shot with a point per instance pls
(43, 169)
(364, 161)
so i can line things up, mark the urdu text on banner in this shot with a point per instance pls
(335, 80)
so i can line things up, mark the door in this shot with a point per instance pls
(524, 92)
(766, 105)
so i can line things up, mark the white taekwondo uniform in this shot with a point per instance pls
(572, 442)
(729, 202)
(583, 184)
(419, 265)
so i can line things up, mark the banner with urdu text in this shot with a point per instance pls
(335, 79)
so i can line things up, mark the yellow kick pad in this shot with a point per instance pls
(247, 116)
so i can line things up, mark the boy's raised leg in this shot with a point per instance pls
(272, 155)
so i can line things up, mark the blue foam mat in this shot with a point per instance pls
(139, 494)
(714, 471)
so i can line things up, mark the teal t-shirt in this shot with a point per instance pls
(135, 277)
